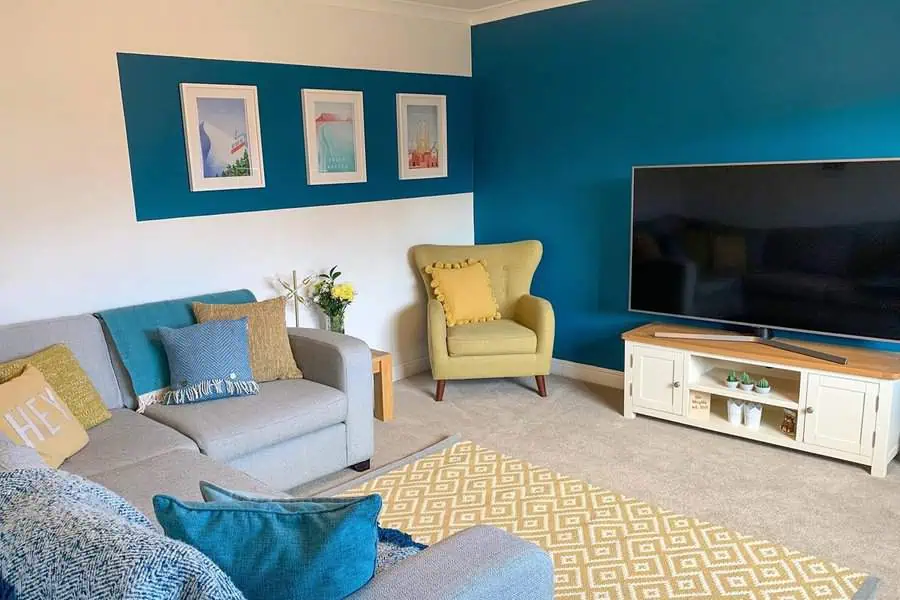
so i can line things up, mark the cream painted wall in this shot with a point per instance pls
(68, 235)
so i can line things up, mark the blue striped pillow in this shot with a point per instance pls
(208, 361)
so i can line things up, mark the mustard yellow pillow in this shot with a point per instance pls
(33, 415)
(65, 375)
(270, 349)
(465, 291)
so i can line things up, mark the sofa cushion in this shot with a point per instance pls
(81, 334)
(208, 361)
(125, 439)
(494, 337)
(34, 416)
(177, 473)
(73, 386)
(464, 289)
(14, 457)
(232, 427)
(260, 544)
(270, 349)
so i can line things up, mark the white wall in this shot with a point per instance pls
(68, 235)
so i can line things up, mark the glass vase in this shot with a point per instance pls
(336, 322)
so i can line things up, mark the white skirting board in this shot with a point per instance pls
(410, 368)
(589, 373)
(566, 368)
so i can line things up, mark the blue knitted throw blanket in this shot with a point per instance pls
(64, 537)
(135, 334)
(393, 546)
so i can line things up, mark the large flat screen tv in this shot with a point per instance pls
(809, 246)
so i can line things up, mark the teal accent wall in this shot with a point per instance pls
(567, 100)
(151, 99)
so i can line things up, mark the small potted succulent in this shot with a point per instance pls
(763, 387)
(746, 382)
(752, 415)
(731, 381)
(734, 411)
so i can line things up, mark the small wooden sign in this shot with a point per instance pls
(699, 406)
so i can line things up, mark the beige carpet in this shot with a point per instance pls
(830, 509)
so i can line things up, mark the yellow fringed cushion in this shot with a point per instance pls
(464, 289)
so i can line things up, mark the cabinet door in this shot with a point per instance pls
(657, 374)
(840, 413)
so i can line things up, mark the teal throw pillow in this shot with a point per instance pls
(208, 361)
(280, 549)
(394, 545)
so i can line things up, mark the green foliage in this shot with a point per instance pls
(763, 383)
(239, 168)
(746, 379)
(732, 376)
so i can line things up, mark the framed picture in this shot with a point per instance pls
(335, 136)
(422, 135)
(221, 132)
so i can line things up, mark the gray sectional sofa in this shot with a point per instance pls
(292, 432)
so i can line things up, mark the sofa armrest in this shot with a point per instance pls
(481, 563)
(345, 363)
(537, 315)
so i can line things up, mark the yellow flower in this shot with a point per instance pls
(343, 291)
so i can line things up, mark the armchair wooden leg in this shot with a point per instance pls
(542, 385)
(439, 391)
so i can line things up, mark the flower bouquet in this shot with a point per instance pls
(331, 297)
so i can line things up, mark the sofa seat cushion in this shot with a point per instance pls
(177, 473)
(124, 439)
(231, 427)
(494, 337)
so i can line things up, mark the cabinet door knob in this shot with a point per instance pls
(676, 384)
(809, 410)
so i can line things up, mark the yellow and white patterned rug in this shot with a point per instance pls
(604, 546)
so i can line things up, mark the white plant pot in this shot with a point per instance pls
(764, 390)
(747, 387)
(734, 411)
(731, 385)
(752, 414)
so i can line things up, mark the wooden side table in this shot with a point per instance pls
(383, 370)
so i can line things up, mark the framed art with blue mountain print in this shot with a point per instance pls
(335, 136)
(221, 131)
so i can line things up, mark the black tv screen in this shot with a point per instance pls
(811, 246)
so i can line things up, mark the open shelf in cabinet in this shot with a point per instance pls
(709, 374)
(769, 429)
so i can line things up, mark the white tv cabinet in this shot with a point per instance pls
(849, 412)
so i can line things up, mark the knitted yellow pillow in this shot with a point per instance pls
(65, 375)
(465, 291)
(271, 357)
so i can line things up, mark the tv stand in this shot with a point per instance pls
(763, 336)
(849, 410)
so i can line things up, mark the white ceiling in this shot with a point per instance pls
(464, 4)
(471, 12)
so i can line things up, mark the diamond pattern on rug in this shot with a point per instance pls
(604, 546)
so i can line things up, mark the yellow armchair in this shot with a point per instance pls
(519, 344)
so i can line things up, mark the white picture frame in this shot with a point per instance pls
(422, 136)
(335, 135)
(223, 119)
